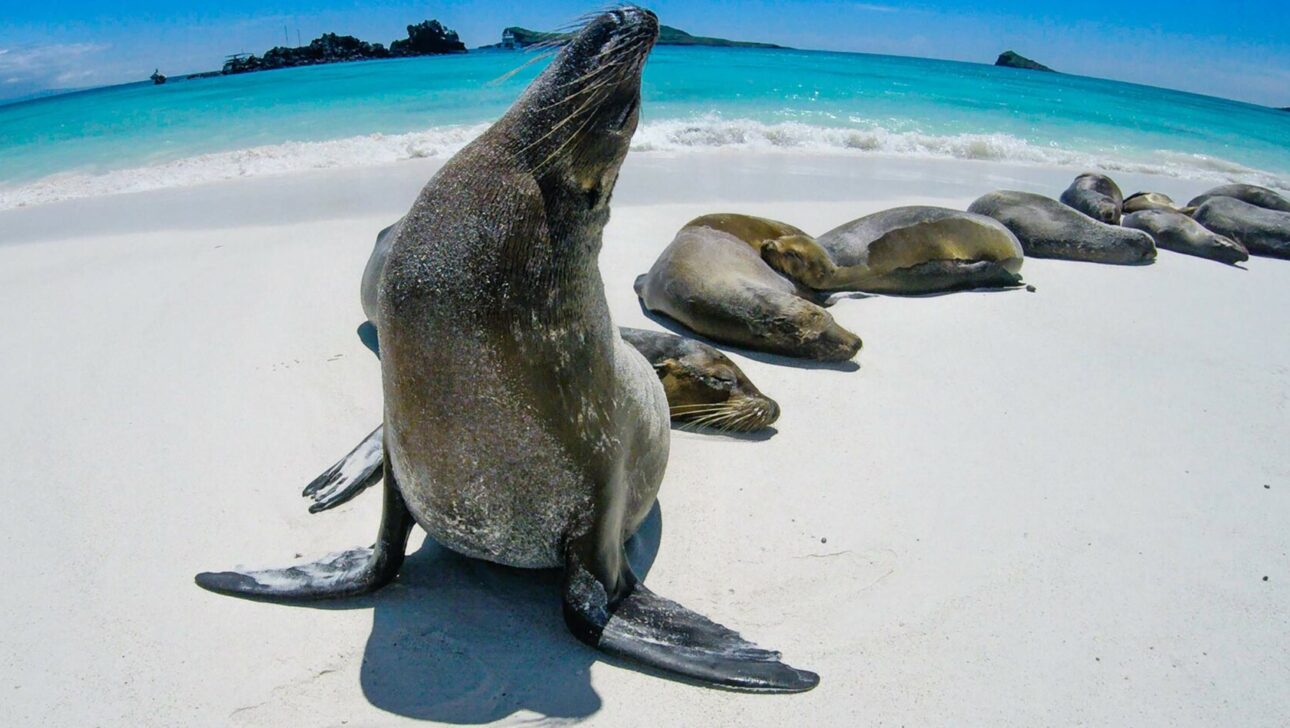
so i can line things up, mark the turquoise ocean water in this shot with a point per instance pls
(142, 136)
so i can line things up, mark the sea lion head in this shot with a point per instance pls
(574, 124)
(1104, 210)
(805, 327)
(800, 259)
(705, 387)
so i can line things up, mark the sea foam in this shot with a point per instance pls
(674, 135)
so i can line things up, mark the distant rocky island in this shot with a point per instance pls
(428, 38)
(1016, 60)
(516, 37)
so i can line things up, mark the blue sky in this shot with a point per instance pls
(1233, 49)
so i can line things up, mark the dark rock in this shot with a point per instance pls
(428, 38)
(424, 39)
(1015, 60)
(515, 37)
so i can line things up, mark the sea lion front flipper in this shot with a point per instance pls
(353, 474)
(937, 276)
(353, 572)
(646, 628)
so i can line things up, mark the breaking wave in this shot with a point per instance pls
(677, 135)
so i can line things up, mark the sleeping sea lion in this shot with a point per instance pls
(1175, 231)
(1139, 201)
(519, 427)
(1050, 229)
(716, 285)
(920, 249)
(1249, 194)
(1261, 230)
(1097, 196)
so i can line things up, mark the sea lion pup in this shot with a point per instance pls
(703, 387)
(1260, 230)
(920, 249)
(519, 427)
(1175, 231)
(1139, 201)
(1249, 194)
(1050, 229)
(1097, 196)
(716, 285)
(786, 249)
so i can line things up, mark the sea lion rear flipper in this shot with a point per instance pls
(353, 572)
(649, 629)
(353, 474)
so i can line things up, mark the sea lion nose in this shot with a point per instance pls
(772, 411)
(633, 14)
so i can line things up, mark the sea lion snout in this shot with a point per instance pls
(837, 344)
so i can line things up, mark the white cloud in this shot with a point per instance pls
(28, 69)
(876, 8)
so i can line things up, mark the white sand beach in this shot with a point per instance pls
(1060, 507)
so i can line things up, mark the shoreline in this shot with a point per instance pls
(375, 153)
(647, 178)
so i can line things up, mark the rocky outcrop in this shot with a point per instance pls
(424, 39)
(1011, 59)
(428, 38)
(515, 37)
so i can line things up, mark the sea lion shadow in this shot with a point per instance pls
(761, 435)
(984, 290)
(785, 361)
(464, 641)
(367, 334)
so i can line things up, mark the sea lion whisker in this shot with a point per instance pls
(703, 405)
(511, 73)
(696, 412)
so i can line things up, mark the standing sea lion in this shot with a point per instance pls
(1175, 231)
(1262, 231)
(920, 249)
(715, 284)
(703, 387)
(701, 383)
(1049, 229)
(1139, 201)
(1097, 196)
(519, 427)
(1250, 194)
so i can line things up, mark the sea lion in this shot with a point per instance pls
(1139, 201)
(703, 387)
(1262, 231)
(716, 285)
(702, 384)
(519, 427)
(1097, 196)
(920, 249)
(1050, 229)
(1249, 194)
(786, 249)
(1175, 231)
